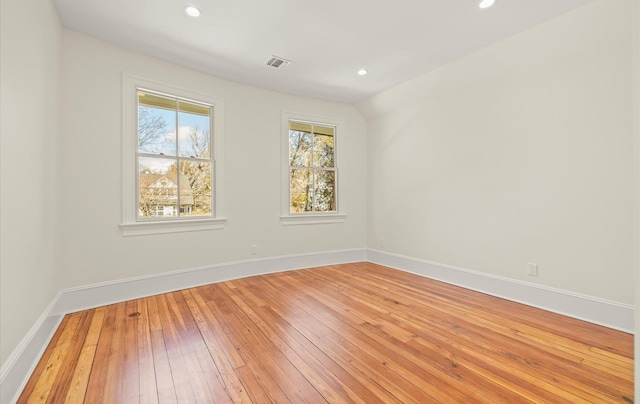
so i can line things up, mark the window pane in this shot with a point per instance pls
(299, 148)
(325, 195)
(323, 150)
(301, 190)
(156, 124)
(195, 188)
(300, 126)
(157, 185)
(323, 130)
(194, 125)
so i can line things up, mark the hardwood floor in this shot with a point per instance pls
(358, 333)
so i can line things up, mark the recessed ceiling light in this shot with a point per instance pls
(192, 11)
(362, 72)
(486, 3)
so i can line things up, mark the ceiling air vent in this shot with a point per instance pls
(277, 62)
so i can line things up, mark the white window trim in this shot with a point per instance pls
(130, 225)
(339, 216)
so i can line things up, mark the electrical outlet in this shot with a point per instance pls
(254, 249)
(532, 269)
(381, 243)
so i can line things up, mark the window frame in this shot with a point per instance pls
(314, 217)
(132, 224)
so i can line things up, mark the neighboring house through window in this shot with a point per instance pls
(158, 195)
(172, 159)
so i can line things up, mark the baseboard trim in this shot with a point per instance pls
(16, 370)
(608, 313)
(101, 294)
(23, 360)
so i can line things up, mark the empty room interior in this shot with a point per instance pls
(340, 201)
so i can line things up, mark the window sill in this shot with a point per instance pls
(177, 226)
(291, 220)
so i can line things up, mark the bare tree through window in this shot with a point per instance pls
(312, 171)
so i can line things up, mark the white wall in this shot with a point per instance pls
(29, 126)
(521, 152)
(91, 246)
(636, 108)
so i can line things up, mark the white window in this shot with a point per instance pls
(172, 159)
(311, 191)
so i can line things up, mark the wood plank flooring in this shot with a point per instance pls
(355, 333)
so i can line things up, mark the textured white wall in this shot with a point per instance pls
(90, 244)
(29, 125)
(521, 152)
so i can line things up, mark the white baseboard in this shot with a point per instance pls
(101, 294)
(16, 370)
(22, 361)
(608, 313)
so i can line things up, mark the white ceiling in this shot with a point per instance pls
(328, 40)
